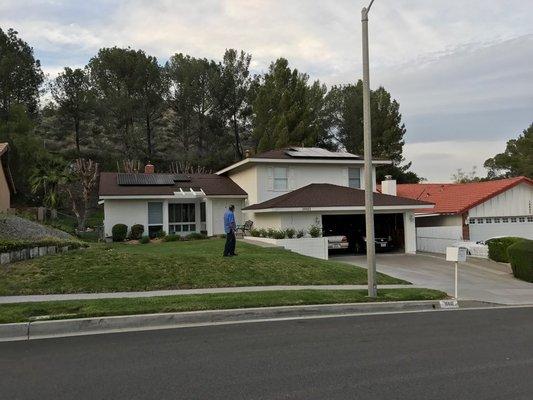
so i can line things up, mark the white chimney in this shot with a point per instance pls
(388, 186)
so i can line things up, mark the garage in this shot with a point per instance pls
(387, 226)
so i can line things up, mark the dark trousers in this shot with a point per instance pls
(229, 248)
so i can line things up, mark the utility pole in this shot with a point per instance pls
(369, 193)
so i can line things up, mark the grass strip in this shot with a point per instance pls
(22, 312)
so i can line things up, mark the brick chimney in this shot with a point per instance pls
(149, 168)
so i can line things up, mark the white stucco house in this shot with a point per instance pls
(288, 188)
(471, 211)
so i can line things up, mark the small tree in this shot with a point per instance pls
(84, 174)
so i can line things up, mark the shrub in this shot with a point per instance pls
(521, 257)
(160, 234)
(314, 231)
(300, 233)
(278, 234)
(136, 232)
(290, 232)
(195, 236)
(223, 236)
(171, 238)
(255, 232)
(145, 239)
(119, 232)
(498, 248)
(270, 232)
(263, 232)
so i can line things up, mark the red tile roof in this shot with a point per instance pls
(328, 195)
(457, 198)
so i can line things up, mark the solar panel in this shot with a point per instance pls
(150, 179)
(317, 152)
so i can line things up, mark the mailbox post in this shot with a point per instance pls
(456, 254)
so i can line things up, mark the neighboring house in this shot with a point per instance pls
(289, 188)
(471, 211)
(7, 187)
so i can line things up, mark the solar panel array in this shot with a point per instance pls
(150, 179)
(316, 152)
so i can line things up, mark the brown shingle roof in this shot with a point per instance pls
(211, 184)
(281, 154)
(328, 195)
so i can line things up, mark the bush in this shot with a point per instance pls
(270, 232)
(136, 232)
(263, 232)
(278, 234)
(300, 233)
(119, 232)
(195, 236)
(160, 234)
(521, 257)
(7, 245)
(290, 232)
(255, 232)
(498, 248)
(314, 231)
(171, 238)
(145, 239)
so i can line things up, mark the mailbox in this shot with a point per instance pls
(456, 254)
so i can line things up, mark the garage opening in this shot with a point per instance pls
(387, 226)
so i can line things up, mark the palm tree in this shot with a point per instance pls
(48, 178)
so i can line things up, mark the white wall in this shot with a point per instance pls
(215, 209)
(267, 220)
(409, 232)
(301, 220)
(247, 179)
(312, 247)
(128, 212)
(513, 202)
(479, 232)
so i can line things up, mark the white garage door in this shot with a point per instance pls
(435, 239)
(485, 228)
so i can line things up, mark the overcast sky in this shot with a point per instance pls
(461, 70)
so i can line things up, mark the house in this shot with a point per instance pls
(7, 187)
(294, 187)
(471, 211)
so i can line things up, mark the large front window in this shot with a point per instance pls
(280, 178)
(181, 218)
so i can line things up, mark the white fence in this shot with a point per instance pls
(435, 239)
(312, 247)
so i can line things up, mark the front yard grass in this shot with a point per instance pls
(23, 312)
(173, 265)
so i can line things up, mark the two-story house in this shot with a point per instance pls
(288, 188)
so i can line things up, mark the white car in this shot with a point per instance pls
(339, 242)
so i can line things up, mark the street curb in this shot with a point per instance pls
(99, 325)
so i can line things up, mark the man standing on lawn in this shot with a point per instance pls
(229, 228)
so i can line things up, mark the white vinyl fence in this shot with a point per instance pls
(435, 239)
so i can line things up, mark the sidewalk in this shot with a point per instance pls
(155, 293)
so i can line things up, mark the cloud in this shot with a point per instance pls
(461, 70)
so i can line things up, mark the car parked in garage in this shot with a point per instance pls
(381, 244)
(338, 242)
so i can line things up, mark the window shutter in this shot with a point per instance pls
(270, 178)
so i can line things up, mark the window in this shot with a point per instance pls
(480, 220)
(280, 178)
(472, 220)
(505, 220)
(488, 220)
(529, 219)
(354, 178)
(522, 219)
(155, 218)
(513, 219)
(181, 217)
(496, 220)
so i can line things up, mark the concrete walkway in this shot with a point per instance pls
(155, 293)
(479, 279)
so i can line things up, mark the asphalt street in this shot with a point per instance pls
(475, 354)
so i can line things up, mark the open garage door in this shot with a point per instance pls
(353, 227)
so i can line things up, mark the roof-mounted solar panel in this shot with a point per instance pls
(181, 178)
(316, 152)
(145, 179)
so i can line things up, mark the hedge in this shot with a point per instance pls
(521, 258)
(7, 245)
(498, 248)
(136, 232)
(119, 232)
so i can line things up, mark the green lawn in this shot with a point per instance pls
(173, 265)
(106, 307)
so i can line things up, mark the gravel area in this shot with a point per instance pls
(14, 227)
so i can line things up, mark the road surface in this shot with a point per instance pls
(476, 354)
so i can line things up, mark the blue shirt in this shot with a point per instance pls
(229, 221)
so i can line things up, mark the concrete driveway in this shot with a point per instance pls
(479, 279)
